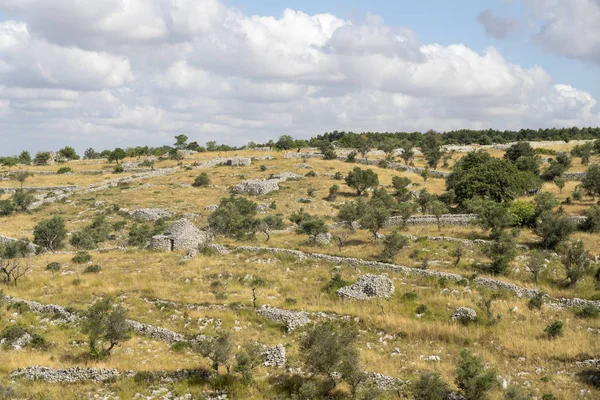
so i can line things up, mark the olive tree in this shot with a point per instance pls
(361, 180)
(50, 233)
(106, 326)
(235, 216)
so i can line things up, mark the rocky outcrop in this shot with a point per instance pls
(31, 248)
(323, 239)
(368, 287)
(69, 188)
(291, 319)
(150, 214)
(446, 219)
(229, 161)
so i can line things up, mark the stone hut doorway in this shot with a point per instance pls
(172, 242)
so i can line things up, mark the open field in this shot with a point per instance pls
(209, 292)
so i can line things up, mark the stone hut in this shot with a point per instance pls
(181, 235)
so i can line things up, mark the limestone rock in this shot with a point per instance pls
(292, 319)
(464, 315)
(323, 239)
(150, 214)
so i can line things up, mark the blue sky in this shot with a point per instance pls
(138, 72)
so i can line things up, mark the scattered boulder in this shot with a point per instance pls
(323, 239)
(150, 214)
(291, 319)
(70, 375)
(303, 166)
(211, 207)
(257, 187)
(182, 234)
(367, 287)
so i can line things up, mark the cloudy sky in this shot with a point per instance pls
(108, 73)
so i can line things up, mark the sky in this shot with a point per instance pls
(124, 73)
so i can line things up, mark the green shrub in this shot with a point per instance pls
(554, 329)
(311, 174)
(118, 169)
(422, 309)
(472, 378)
(7, 207)
(53, 266)
(410, 296)
(338, 176)
(81, 257)
(588, 311)
(273, 205)
(335, 283)
(430, 386)
(202, 180)
(92, 269)
(392, 244)
(290, 301)
(536, 301)
(64, 170)
(351, 157)
(263, 168)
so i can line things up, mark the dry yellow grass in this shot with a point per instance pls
(516, 346)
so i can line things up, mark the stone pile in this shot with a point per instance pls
(464, 315)
(70, 375)
(368, 287)
(261, 187)
(275, 356)
(150, 214)
(291, 319)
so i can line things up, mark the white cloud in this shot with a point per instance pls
(131, 72)
(570, 28)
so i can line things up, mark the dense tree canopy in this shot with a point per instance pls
(480, 175)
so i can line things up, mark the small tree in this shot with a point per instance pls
(591, 180)
(392, 244)
(362, 180)
(12, 263)
(515, 393)
(425, 175)
(536, 263)
(554, 329)
(236, 216)
(438, 209)
(400, 184)
(490, 215)
(50, 233)
(332, 352)
(407, 151)
(352, 211)
(405, 211)
(312, 226)
(560, 183)
(502, 251)
(201, 180)
(458, 253)
(23, 199)
(333, 192)
(375, 217)
(249, 358)
(42, 158)
(424, 199)
(217, 349)
(553, 228)
(90, 154)
(117, 155)
(25, 157)
(68, 153)
(21, 176)
(575, 260)
(592, 221)
(431, 386)
(181, 141)
(472, 378)
(106, 326)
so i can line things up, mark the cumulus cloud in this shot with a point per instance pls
(131, 72)
(497, 27)
(569, 28)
